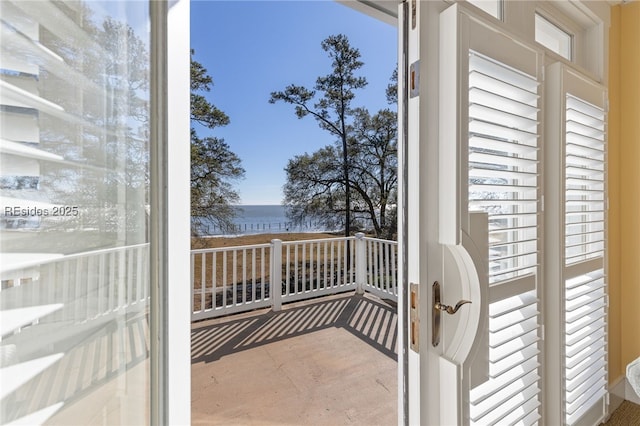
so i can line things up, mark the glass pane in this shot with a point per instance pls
(492, 7)
(74, 193)
(553, 37)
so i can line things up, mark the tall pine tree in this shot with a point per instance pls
(214, 167)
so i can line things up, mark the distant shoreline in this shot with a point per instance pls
(218, 241)
(259, 219)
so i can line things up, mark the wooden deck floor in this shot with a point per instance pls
(328, 361)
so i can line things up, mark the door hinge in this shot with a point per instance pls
(414, 317)
(542, 331)
(414, 13)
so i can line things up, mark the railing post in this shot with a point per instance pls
(361, 263)
(276, 275)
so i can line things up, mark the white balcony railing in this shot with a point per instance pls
(237, 279)
(81, 315)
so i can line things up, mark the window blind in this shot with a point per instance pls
(503, 182)
(585, 165)
(585, 363)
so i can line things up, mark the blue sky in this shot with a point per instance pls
(252, 48)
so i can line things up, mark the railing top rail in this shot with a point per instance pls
(380, 240)
(320, 240)
(63, 258)
(219, 249)
(288, 243)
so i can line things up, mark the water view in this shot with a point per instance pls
(257, 219)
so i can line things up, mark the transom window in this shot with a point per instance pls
(492, 7)
(553, 37)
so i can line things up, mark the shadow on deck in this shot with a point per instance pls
(330, 360)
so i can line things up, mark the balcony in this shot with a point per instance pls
(320, 336)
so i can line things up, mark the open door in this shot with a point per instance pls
(473, 209)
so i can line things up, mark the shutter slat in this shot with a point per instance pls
(511, 361)
(480, 171)
(488, 129)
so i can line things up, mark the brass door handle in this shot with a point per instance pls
(448, 309)
(437, 308)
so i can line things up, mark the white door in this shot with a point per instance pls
(472, 205)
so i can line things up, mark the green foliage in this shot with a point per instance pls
(352, 183)
(214, 167)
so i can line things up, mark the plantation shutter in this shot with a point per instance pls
(503, 182)
(576, 254)
(497, 172)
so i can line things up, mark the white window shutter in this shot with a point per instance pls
(503, 182)
(575, 159)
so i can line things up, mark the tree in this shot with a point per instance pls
(315, 182)
(332, 110)
(374, 168)
(214, 167)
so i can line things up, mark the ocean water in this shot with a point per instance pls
(259, 219)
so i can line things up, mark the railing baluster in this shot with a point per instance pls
(129, 277)
(288, 268)
(304, 267)
(253, 275)
(326, 277)
(111, 287)
(370, 279)
(121, 279)
(376, 265)
(385, 266)
(318, 267)
(262, 274)
(214, 281)
(203, 281)
(244, 276)
(295, 265)
(393, 271)
(90, 286)
(224, 279)
(339, 279)
(139, 282)
(77, 289)
(332, 279)
(193, 281)
(101, 287)
(235, 277)
(146, 271)
(52, 283)
(65, 289)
